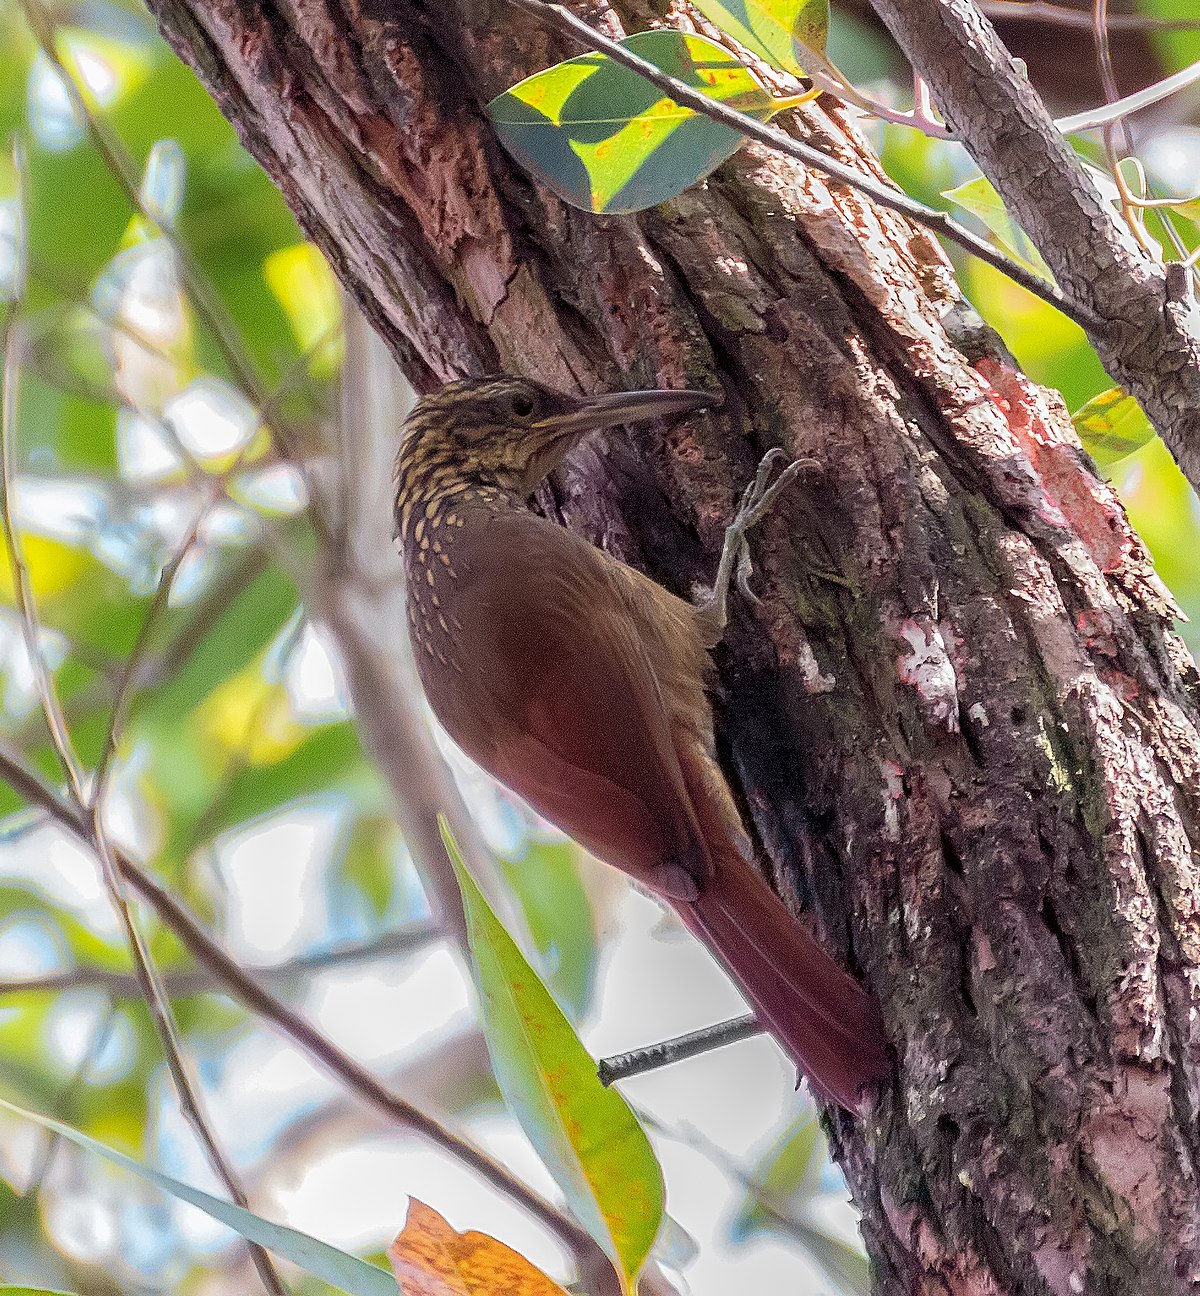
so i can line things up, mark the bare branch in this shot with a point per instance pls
(595, 1268)
(1120, 108)
(638, 1061)
(1146, 338)
(1042, 11)
(896, 200)
(186, 985)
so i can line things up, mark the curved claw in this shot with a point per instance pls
(736, 566)
(745, 569)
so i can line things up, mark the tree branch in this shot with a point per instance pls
(554, 15)
(1147, 340)
(186, 985)
(595, 1269)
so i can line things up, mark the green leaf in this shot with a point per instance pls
(31, 1291)
(345, 1272)
(779, 31)
(1111, 426)
(789, 1174)
(366, 861)
(785, 1186)
(546, 882)
(587, 1135)
(604, 139)
(985, 204)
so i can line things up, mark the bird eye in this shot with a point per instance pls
(522, 406)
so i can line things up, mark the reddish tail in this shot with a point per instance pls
(827, 1023)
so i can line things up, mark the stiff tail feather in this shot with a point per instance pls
(825, 1021)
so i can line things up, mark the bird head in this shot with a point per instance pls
(511, 432)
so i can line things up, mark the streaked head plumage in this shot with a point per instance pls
(509, 433)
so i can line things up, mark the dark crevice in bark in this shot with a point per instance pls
(954, 703)
(1066, 945)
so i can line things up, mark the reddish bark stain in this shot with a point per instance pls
(1073, 494)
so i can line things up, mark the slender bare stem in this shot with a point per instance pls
(556, 16)
(247, 990)
(132, 671)
(1097, 117)
(19, 569)
(185, 985)
(60, 1108)
(1042, 11)
(155, 995)
(91, 825)
(638, 1061)
(206, 303)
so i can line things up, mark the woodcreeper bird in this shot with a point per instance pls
(582, 685)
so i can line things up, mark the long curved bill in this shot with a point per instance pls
(613, 408)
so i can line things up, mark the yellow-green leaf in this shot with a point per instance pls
(983, 202)
(779, 31)
(1111, 426)
(587, 1135)
(604, 139)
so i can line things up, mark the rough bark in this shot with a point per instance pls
(960, 725)
(1147, 338)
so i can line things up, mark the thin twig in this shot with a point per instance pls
(217, 489)
(120, 167)
(247, 990)
(125, 690)
(206, 303)
(200, 619)
(1097, 117)
(60, 1108)
(896, 200)
(19, 568)
(827, 77)
(203, 616)
(681, 1047)
(91, 818)
(186, 985)
(159, 1005)
(1042, 11)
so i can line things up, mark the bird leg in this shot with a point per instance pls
(757, 501)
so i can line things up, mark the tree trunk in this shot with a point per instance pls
(959, 723)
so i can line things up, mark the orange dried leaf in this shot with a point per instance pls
(430, 1259)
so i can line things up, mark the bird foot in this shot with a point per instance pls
(758, 499)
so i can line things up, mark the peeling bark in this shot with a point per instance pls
(960, 724)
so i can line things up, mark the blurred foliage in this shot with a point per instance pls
(587, 1135)
(347, 1273)
(133, 421)
(129, 415)
(786, 1192)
